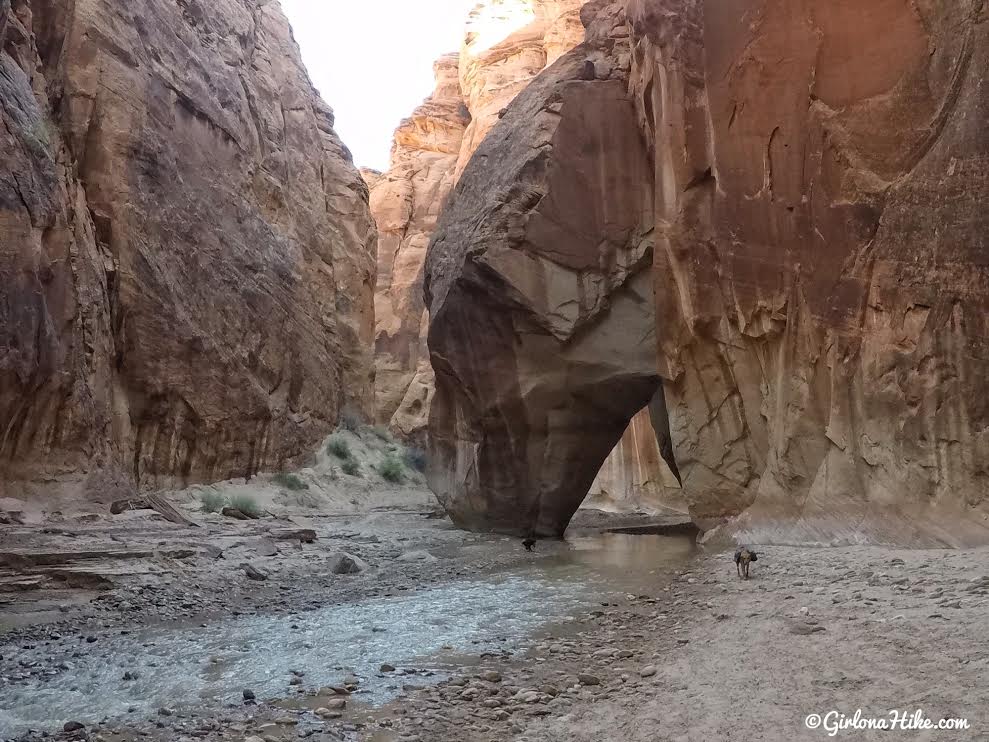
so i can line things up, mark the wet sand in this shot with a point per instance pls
(714, 658)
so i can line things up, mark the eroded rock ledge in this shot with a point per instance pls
(816, 182)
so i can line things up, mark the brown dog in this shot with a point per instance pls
(743, 556)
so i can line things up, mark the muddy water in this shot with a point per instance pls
(209, 666)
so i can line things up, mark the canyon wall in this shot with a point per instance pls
(816, 182)
(406, 202)
(186, 250)
(506, 44)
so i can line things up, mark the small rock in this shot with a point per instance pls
(73, 726)
(588, 679)
(249, 695)
(491, 676)
(342, 563)
(266, 547)
(252, 573)
(305, 535)
(805, 611)
(387, 668)
(335, 704)
(325, 713)
(804, 629)
(648, 671)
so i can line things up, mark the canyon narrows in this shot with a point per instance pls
(507, 44)
(811, 202)
(537, 434)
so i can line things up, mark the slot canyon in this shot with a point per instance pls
(471, 434)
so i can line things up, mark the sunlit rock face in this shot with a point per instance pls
(507, 43)
(816, 173)
(406, 202)
(821, 262)
(636, 476)
(540, 295)
(186, 250)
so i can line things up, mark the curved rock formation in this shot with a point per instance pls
(540, 297)
(817, 185)
(506, 45)
(186, 250)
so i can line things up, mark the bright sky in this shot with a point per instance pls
(372, 60)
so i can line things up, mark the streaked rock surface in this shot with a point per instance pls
(186, 250)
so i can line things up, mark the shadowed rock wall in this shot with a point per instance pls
(186, 251)
(540, 296)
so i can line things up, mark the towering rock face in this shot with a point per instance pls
(821, 273)
(406, 202)
(186, 251)
(540, 294)
(816, 178)
(508, 42)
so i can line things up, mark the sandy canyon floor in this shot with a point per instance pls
(135, 628)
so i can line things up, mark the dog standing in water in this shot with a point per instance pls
(743, 556)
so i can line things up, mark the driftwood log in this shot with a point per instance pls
(151, 502)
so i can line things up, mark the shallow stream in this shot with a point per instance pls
(209, 666)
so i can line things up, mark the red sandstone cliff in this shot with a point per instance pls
(807, 182)
(186, 251)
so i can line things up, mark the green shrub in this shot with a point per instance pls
(351, 467)
(415, 458)
(338, 447)
(290, 482)
(211, 502)
(246, 504)
(391, 469)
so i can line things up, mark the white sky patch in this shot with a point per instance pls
(372, 61)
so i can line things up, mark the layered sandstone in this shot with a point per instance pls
(507, 43)
(186, 250)
(406, 202)
(816, 182)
